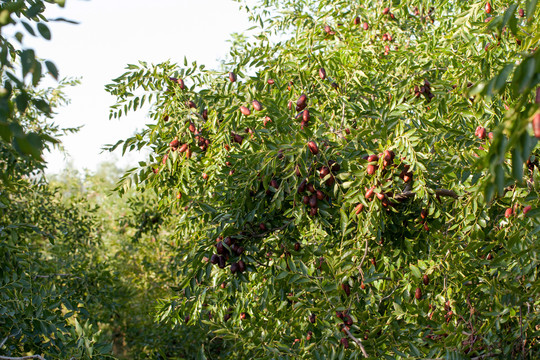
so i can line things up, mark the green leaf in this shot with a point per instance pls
(344, 220)
(44, 31)
(5, 132)
(415, 271)
(531, 8)
(517, 164)
(51, 68)
(28, 59)
(28, 28)
(36, 73)
(501, 79)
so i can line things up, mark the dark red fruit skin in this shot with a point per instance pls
(536, 125)
(313, 147)
(239, 251)
(313, 211)
(322, 73)
(174, 144)
(214, 259)
(232, 77)
(365, 26)
(358, 209)
(270, 81)
(488, 8)
(305, 199)
(370, 169)
(345, 343)
(238, 138)
(320, 195)
(274, 184)
(334, 166)
(418, 294)
(508, 212)
(191, 105)
(222, 262)
(297, 246)
(181, 83)
(228, 241)
(347, 320)
(302, 186)
(339, 314)
(305, 116)
(331, 180)
(234, 268)
(241, 266)
(357, 20)
(521, 13)
(313, 201)
(426, 280)
(220, 248)
(311, 188)
(301, 103)
(257, 105)
(183, 148)
(480, 132)
(386, 11)
(369, 192)
(526, 209)
(324, 171)
(346, 288)
(244, 110)
(312, 318)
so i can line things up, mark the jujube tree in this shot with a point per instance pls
(363, 185)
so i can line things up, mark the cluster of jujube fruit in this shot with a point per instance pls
(326, 174)
(226, 248)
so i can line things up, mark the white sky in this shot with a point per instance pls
(112, 34)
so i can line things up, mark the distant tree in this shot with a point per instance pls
(47, 247)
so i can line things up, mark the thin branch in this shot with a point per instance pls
(445, 192)
(357, 341)
(404, 195)
(7, 337)
(54, 275)
(362, 261)
(439, 192)
(389, 295)
(484, 356)
(22, 358)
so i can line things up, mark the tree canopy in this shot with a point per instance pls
(361, 180)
